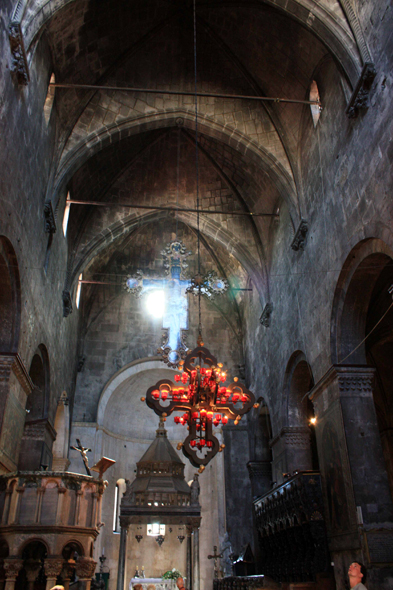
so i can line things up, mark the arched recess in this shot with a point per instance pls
(10, 298)
(294, 449)
(362, 328)
(62, 427)
(38, 435)
(32, 575)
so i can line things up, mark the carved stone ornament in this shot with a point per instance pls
(12, 361)
(50, 222)
(67, 303)
(300, 240)
(53, 566)
(19, 65)
(160, 539)
(266, 313)
(85, 568)
(359, 98)
(257, 469)
(298, 437)
(12, 567)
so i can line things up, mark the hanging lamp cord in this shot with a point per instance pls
(197, 173)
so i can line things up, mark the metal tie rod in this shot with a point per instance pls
(183, 93)
(155, 207)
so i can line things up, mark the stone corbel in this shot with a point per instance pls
(300, 240)
(67, 303)
(359, 98)
(49, 215)
(266, 313)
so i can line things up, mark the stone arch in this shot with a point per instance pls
(10, 297)
(38, 435)
(62, 427)
(362, 328)
(98, 140)
(70, 548)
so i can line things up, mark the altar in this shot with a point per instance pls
(159, 583)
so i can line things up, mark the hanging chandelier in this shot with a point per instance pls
(199, 391)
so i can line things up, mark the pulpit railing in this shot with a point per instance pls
(161, 499)
(242, 583)
(291, 527)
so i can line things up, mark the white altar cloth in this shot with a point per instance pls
(158, 582)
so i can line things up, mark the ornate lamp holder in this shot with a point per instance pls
(200, 393)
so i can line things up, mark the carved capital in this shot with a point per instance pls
(85, 568)
(53, 566)
(259, 469)
(19, 65)
(266, 313)
(355, 381)
(6, 363)
(296, 437)
(67, 303)
(12, 361)
(32, 567)
(359, 98)
(300, 239)
(12, 567)
(50, 221)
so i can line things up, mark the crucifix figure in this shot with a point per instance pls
(83, 451)
(216, 556)
(175, 287)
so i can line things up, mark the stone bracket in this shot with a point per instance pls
(266, 313)
(359, 98)
(67, 303)
(300, 239)
(19, 65)
(49, 215)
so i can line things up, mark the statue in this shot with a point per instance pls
(195, 490)
(83, 451)
(226, 551)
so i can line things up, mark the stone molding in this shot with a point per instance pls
(37, 429)
(300, 239)
(293, 436)
(359, 98)
(12, 360)
(53, 566)
(353, 381)
(50, 221)
(12, 567)
(258, 469)
(266, 313)
(85, 568)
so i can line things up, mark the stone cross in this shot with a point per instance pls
(216, 556)
(83, 451)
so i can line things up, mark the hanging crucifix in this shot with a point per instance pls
(83, 451)
(175, 286)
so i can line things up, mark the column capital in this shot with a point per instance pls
(124, 522)
(12, 567)
(293, 436)
(53, 566)
(259, 469)
(350, 380)
(12, 361)
(32, 567)
(85, 568)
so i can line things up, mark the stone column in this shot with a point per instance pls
(85, 568)
(32, 567)
(60, 502)
(188, 558)
(350, 451)
(12, 567)
(121, 570)
(195, 560)
(67, 573)
(53, 567)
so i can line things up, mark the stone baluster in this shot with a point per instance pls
(85, 568)
(60, 505)
(32, 567)
(121, 570)
(12, 567)
(53, 567)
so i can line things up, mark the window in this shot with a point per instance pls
(155, 529)
(315, 108)
(66, 214)
(119, 491)
(79, 291)
(50, 97)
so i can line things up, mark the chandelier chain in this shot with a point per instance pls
(197, 171)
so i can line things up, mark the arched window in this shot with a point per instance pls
(66, 214)
(50, 97)
(315, 108)
(119, 491)
(79, 291)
